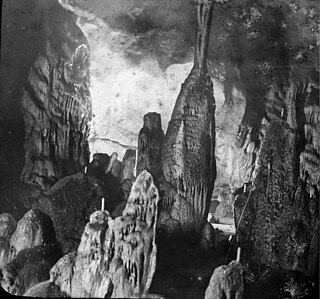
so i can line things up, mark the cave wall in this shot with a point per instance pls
(45, 95)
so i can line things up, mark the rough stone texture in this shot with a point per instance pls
(280, 224)
(208, 238)
(7, 225)
(29, 267)
(45, 289)
(62, 272)
(5, 252)
(90, 273)
(34, 229)
(226, 282)
(57, 108)
(69, 203)
(115, 258)
(135, 248)
(188, 161)
(150, 142)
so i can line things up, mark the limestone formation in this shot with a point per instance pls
(7, 225)
(279, 228)
(69, 204)
(116, 258)
(226, 282)
(56, 105)
(91, 265)
(30, 267)
(34, 229)
(135, 248)
(188, 161)
(150, 143)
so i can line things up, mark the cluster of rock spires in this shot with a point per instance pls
(115, 258)
(277, 220)
(186, 172)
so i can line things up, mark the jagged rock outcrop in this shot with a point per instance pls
(150, 143)
(280, 225)
(188, 161)
(8, 225)
(134, 262)
(116, 257)
(56, 105)
(32, 252)
(226, 282)
(69, 204)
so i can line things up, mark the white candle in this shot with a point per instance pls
(269, 166)
(102, 204)
(282, 111)
(245, 188)
(310, 192)
(238, 254)
(85, 169)
(135, 165)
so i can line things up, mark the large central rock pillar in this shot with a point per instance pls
(188, 161)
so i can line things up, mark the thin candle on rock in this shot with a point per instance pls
(102, 204)
(238, 254)
(85, 169)
(282, 111)
(245, 188)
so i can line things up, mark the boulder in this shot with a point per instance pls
(34, 229)
(30, 267)
(226, 282)
(69, 203)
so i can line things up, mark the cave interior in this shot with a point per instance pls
(160, 149)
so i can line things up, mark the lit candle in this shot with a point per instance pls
(238, 254)
(102, 204)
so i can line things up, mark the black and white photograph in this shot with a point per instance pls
(165, 149)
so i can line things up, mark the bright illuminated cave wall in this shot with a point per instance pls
(133, 72)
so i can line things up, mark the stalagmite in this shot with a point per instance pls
(188, 161)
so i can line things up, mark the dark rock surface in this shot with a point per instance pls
(30, 253)
(280, 227)
(29, 267)
(56, 107)
(69, 203)
(150, 143)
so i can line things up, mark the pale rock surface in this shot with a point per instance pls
(226, 282)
